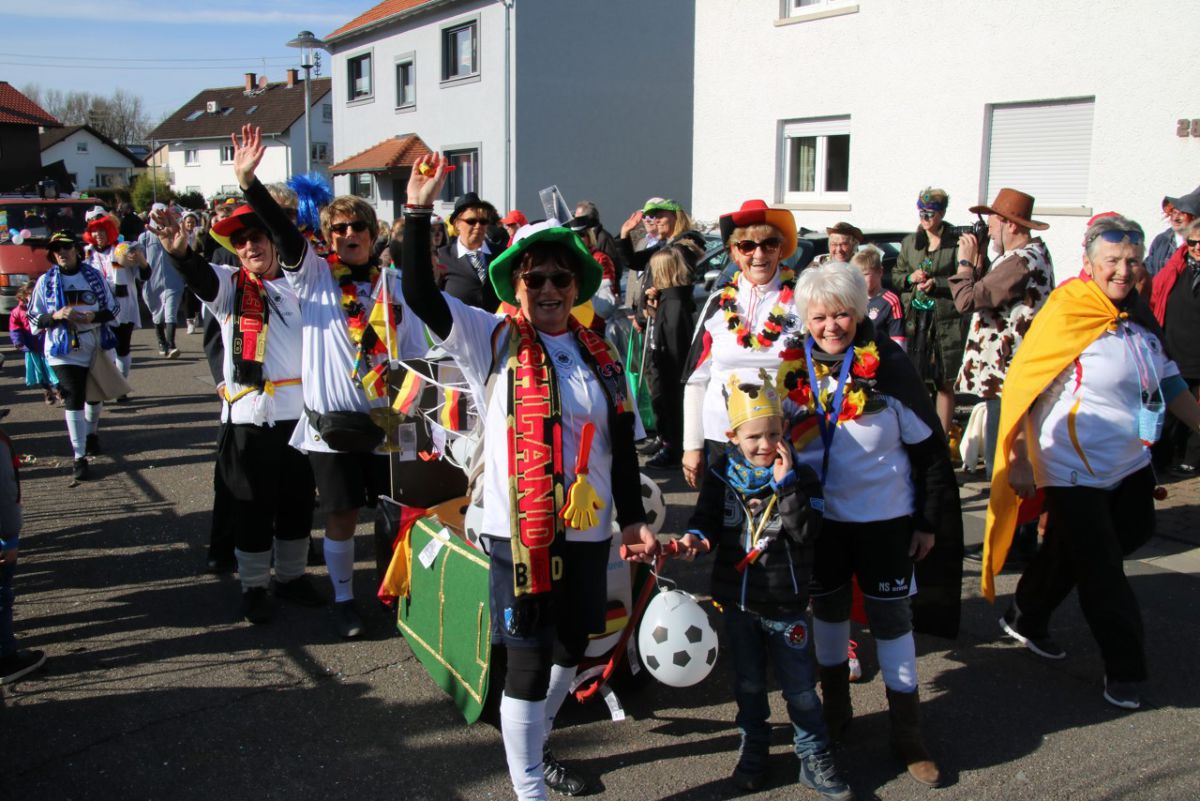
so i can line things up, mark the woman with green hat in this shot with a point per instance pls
(559, 459)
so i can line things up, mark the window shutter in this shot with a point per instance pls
(1043, 149)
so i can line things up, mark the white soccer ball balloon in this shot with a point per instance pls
(653, 503)
(473, 525)
(676, 642)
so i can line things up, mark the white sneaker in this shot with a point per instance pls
(191, 327)
(173, 353)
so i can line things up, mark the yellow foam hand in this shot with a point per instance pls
(582, 505)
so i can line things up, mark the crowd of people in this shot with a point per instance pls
(809, 401)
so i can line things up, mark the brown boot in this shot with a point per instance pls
(835, 699)
(906, 738)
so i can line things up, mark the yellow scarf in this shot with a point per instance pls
(1075, 315)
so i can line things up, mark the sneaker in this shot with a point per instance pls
(1122, 693)
(663, 459)
(92, 445)
(349, 622)
(819, 772)
(191, 327)
(1040, 644)
(649, 446)
(852, 659)
(256, 605)
(748, 781)
(50, 397)
(19, 664)
(162, 350)
(123, 399)
(560, 778)
(173, 353)
(1184, 470)
(300, 591)
(80, 471)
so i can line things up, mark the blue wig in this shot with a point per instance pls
(314, 193)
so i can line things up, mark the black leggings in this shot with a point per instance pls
(72, 380)
(124, 333)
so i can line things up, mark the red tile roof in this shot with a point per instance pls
(399, 151)
(379, 13)
(273, 109)
(17, 109)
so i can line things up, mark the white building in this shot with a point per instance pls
(846, 109)
(91, 159)
(595, 98)
(200, 156)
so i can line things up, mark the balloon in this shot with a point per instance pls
(26, 233)
(675, 639)
(18, 239)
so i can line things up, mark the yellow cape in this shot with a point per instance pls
(1075, 315)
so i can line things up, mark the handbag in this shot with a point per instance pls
(104, 381)
(353, 432)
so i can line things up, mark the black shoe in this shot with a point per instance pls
(256, 605)
(300, 591)
(973, 553)
(664, 459)
(819, 772)
(92, 446)
(80, 473)
(218, 565)
(560, 778)
(1184, 470)
(1040, 644)
(123, 399)
(1122, 693)
(649, 446)
(748, 781)
(19, 664)
(349, 622)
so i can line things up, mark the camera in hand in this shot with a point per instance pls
(979, 228)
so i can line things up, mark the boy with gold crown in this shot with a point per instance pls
(761, 512)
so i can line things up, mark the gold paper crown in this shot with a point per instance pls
(753, 402)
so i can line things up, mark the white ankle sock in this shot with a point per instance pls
(339, 560)
(560, 684)
(898, 663)
(830, 641)
(254, 568)
(522, 725)
(77, 429)
(291, 557)
(124, 363)
(91, 411)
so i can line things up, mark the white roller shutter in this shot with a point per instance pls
(1044, 149)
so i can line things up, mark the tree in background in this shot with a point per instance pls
(120, 116)
(146, 190)
(191, 200)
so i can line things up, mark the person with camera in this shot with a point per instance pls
(1001, 299)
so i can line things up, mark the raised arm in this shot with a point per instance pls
(247, 154)
(416, 263)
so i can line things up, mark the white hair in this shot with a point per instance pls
(836, 285)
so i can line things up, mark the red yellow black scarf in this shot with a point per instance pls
(251, 316)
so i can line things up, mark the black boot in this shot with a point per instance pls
(835, 699)
(160, 333)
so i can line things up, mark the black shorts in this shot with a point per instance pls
(578, 609)
(349, 480)
(876, 553)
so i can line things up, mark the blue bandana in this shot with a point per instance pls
(744, 477)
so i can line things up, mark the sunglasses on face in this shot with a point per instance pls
(769, 245)
(1193, 243)
(1117, 237)
(927, 215)
(656, 215)
(560, 278)
(472, 221)
(358, 226)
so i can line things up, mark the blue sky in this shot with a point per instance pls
(180, 48)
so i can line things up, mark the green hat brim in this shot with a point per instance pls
(589, 270)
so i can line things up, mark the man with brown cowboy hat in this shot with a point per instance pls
(844, 239)
(1001, 299)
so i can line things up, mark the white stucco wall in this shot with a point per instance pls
(915, 80)
(209, 174)
(84, 165)
(322, 131)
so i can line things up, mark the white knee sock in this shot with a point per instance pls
(77, 429)
(254, 568)
(91, 411)
(124, 363)
(522, 725)
(830, 641)
(560, 684)
(898, 663)
(339, 560)
(291, 557)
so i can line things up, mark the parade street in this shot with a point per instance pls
(156, 688)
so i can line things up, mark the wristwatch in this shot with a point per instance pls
(965, 263)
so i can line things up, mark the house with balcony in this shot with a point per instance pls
(594, 98)
(91, 159)
(859, 104)
(197, 135)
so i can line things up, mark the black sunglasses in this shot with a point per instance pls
(472, 221)
(560, 278)
(59, 247)
(1193, 243)
(1117, 237)
(769, 245)
(927, 215)
(358, 226)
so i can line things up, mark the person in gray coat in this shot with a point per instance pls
(163, 292)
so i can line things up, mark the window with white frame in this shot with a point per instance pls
(406, 82)
(358, 70)
(1042, 148)
(320, 152)
(191, 157)
(465, 177)
(81, 146)
(460, 51)
(226, 154)
(800, 8)
(327, 112)
(816, 159)
(362, 184)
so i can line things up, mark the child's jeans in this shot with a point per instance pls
(752, 640)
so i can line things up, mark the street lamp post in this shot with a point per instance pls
(307, 43)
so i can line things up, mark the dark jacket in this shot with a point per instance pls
(776, 584)
(461, 281)
(948, 322)
(673, 323)
(1160, 252)
(638, 260)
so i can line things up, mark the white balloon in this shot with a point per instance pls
(653, 503)
(17, 239)
(677, 643)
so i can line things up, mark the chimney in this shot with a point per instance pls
(262, 83)
(249, 82)
(291, 77)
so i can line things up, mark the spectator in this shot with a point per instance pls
(844, 239)
(466, 258)
(670, 310)
(131, 225)
(666, 223)
(163, 292)
(586, 212)
(512, 222)
(1180, 211)
(15, 662)
(1176, 304)
(37, 372)
(883, 307)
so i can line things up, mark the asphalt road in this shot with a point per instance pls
(155, 689)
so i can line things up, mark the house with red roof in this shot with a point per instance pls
(21, 121)
(595, 98)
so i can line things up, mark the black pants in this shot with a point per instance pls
(72, 380)
(124, 333)
(277, 488)
(1089, 532)
(667, 402)
(1180, 444)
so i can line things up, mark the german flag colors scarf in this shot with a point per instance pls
(250, 322)
(537, 489)
(1075, 315)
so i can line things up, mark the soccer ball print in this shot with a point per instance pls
(676, 642)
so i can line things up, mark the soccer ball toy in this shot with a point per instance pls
(677, 643)
(653, 503)
(473, 526)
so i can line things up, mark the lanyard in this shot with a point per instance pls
(1143, 363)
(827, 419)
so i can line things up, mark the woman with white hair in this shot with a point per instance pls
(860, 417)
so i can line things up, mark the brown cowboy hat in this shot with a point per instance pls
(1013, 206)
(846, 229)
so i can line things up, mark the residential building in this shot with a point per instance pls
(20, 153)
(846, 109)
(594, 98)
(200, 157)
(91, 159)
